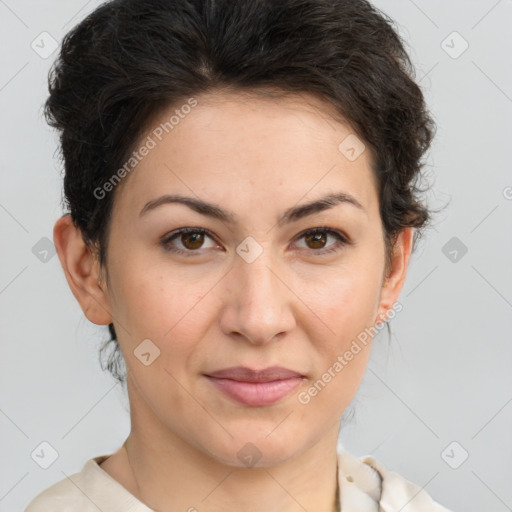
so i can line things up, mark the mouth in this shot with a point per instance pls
(255, 387)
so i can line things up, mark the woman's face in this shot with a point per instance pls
(255, 289)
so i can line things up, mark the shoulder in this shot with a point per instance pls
(367, 484)
(64, 495)
(89, 490)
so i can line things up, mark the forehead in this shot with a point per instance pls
(233, 141)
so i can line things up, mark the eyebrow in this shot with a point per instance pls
(290, 215)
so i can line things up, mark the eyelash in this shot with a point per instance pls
(342, 240)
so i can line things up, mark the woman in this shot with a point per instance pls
(240, 184)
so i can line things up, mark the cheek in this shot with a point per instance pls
(157, 304)
(165, 310)
(347, 306)
(174, 311)
(347, 300)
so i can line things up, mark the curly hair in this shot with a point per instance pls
(128, 60)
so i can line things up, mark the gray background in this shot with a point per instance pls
(446, 374)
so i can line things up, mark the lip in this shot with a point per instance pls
(246, 374)
(255, 387)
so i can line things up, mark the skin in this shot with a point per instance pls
(255, 157)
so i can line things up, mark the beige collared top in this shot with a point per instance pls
(365, 486)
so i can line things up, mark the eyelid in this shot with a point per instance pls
(342, 240)
(325, 229)
(169, 237)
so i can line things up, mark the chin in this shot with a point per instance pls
(245, 451)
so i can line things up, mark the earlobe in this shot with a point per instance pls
(395, 279)
(81, 269)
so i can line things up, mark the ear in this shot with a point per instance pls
(395, 279)
(82, 271)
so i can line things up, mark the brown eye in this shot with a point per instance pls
(187, 241)
(192, 240)
(317, 238)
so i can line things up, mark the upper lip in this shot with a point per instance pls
(245, 374)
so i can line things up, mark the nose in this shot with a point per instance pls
(258, 305)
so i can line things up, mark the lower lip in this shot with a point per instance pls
(256, 393)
